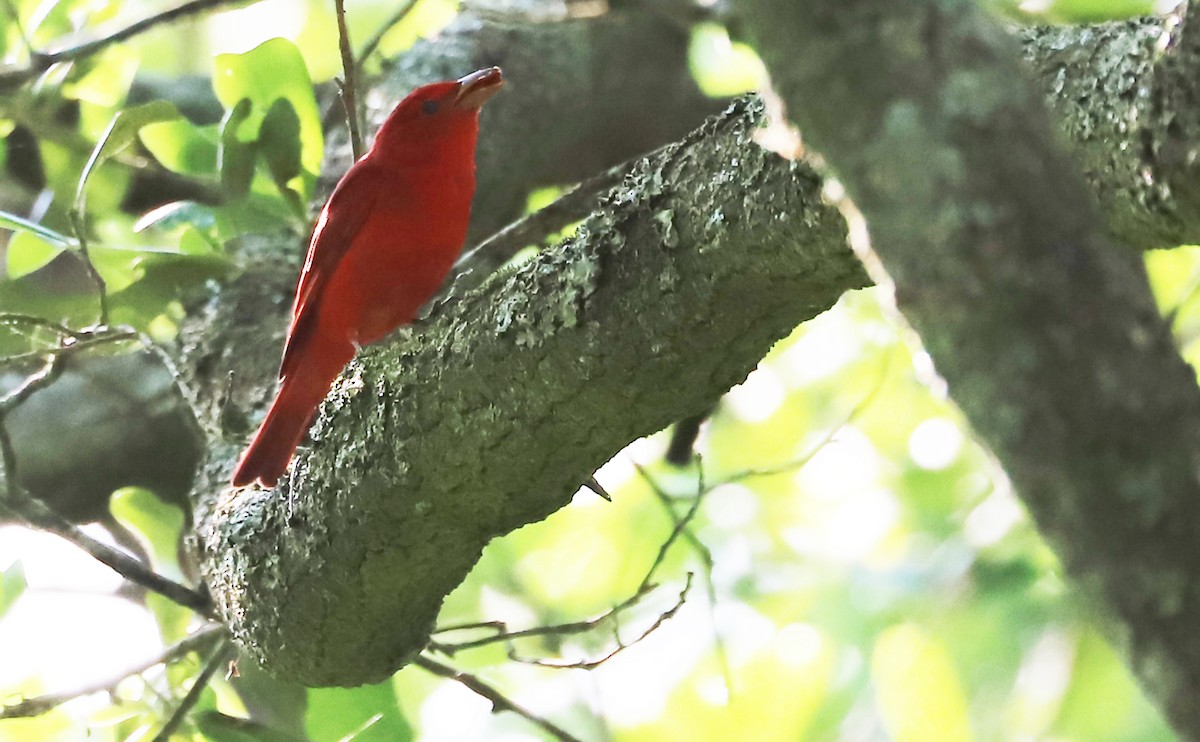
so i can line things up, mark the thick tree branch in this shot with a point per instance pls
(493, 414)
(1045, 330)
(1125, 97)
(709, 245)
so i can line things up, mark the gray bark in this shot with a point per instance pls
(492, 415)
(1043, 327)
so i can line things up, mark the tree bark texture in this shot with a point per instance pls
(491, 415)
(1043, 326)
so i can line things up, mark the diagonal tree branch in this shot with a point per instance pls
(1044, 328)
(668, 296)
(488, 419)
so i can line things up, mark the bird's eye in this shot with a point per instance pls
(429, 107)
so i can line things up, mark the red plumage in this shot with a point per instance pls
(382, 246)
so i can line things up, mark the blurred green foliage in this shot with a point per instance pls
(862, 568)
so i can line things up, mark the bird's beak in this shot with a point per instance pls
(475, 89)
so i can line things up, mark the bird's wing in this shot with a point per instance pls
(344, 215)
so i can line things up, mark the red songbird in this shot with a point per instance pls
(381, 248)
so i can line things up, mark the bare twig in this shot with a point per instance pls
(349, 100)
(41, 704)
(85, 339)
(795, 464)
(681, 523)
(36, 514)
(193, 695)
(621, 645)
(701, 550)
(16, 319)
(500, 702)
(683, 438)
(502, 634)
(376, 39)
(39, 62)
(479, 262)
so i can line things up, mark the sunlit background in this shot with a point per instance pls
(860, 567)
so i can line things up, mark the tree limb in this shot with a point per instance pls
(1045, 330)
(710, 244)
(433, 444)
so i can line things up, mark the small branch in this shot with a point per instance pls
(36, 514)
(683, 438)
(87, 340)
(504, 635)
(16, 319)
(41, 704)
(681, 524)
(41, 61)
(346, 87)
(77, 222)
(794, 464)
(702, 551)
(193, 695)
(369, 48)
(621, 645)
(500, 702)
(39, 516)
(573, 206)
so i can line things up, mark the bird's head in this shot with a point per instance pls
(438, 110)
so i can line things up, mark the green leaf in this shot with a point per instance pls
(27, 252)
(218, 727)
(235, 158)
(12, 586)
(279, 141)
(123, 129)
(368, 713)
(273, 70)
(193, 242)
(183, 147)
(157, 524)
(177, 214)
(17, 224)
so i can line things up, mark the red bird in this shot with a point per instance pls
(381, 248)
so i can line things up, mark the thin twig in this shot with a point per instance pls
(399, 15)
(706, 558)
(621, 645)
(39, 62)
(796, 464)
(77, 223)
(193, 695)
(16, 319)
(500, 702)
(681, 527)
(87, 339)
(41, 704)
(502, 634)
(36, 514)
(349, 99)
(573, 206)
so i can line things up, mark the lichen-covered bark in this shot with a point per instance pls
(1127, 122)
(1044, 328)
(492, 414)
(336, 577)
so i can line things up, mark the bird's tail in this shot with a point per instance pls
(267, 456)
